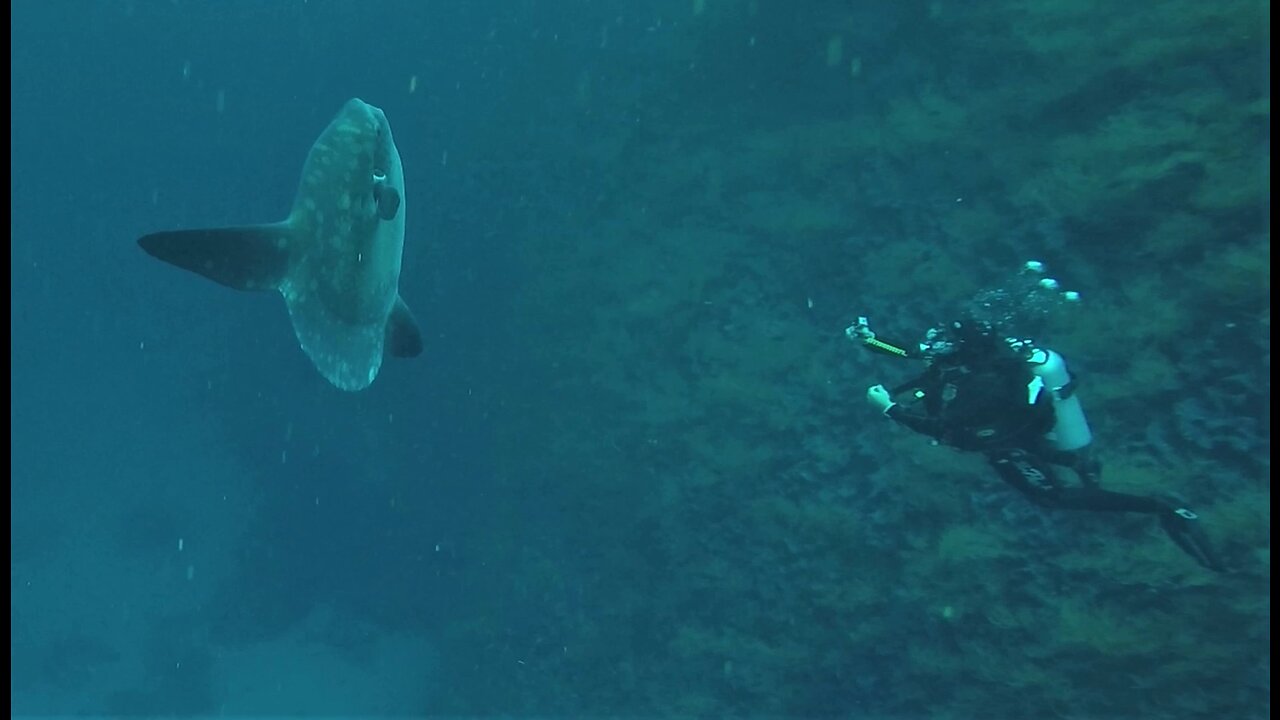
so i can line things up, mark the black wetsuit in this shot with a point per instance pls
(998, 408)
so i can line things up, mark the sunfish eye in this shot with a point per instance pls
(379, 176)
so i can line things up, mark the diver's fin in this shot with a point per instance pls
(404, 339)
(1183, 527)
(255, 257)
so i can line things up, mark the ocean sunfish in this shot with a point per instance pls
(335, 259)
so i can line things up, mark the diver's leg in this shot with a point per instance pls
(1034, 477)
(1036, 480)
(1087, 466)
(1082, 461)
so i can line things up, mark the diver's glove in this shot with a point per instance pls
(878, 397)
(1183, 527)
(860, 330)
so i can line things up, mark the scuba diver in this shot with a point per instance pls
(1015, 402)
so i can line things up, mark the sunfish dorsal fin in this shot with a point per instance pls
(254, 257)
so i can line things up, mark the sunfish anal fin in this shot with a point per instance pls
(404, 339)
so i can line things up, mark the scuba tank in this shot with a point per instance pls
(1070, 429)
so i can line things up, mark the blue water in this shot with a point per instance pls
(632, 474)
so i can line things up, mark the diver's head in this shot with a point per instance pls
(966, 340)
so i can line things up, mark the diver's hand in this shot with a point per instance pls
(878, 397)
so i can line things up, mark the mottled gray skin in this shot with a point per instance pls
(344, 258)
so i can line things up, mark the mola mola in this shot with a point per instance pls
(335, 259)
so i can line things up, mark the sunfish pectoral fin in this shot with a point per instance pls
(404, 339)
(254, 257)
(388, 199)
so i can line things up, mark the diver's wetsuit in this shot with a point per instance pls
(989, 407)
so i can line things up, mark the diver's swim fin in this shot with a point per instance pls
(1183, 527)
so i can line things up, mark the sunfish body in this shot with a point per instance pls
(335, 259)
